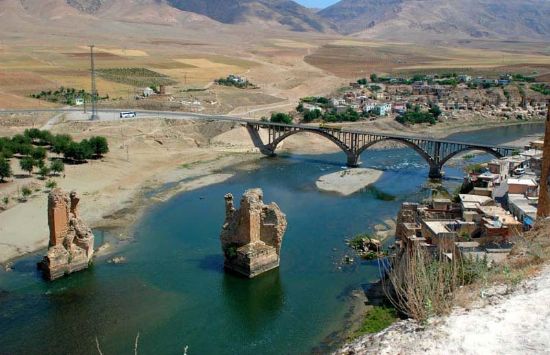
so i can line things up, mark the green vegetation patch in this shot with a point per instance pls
(415, 115)
(236, 81)
(139, 77)
(377, 319)
(32, 146)
(542, 88)
(66, 96)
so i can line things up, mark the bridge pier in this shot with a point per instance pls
(435, 172)
(353, 160)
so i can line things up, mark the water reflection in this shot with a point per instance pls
(254, 303)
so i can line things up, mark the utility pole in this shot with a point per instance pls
(94, 115)
(544, 195)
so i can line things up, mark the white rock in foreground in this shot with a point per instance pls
(518, 323)
(349, 181)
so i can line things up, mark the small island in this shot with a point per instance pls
(349, 181)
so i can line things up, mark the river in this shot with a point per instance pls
(173, 291)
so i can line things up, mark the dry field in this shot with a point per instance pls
(285, 65)
(353, 58)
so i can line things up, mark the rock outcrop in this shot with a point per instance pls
(71, 244)
(252, 235)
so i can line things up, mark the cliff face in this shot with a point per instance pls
(251, 236)
(71, 244)
(544, 198)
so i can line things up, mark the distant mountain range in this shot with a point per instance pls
(407, 20)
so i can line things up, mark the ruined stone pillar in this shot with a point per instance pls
(252, 235)
(58, 216)
(71, 241)
(544, 196)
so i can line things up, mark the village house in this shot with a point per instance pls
(526, 187)
(148, 92)
(523, 208)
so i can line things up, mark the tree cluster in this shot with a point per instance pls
(414, 115)
(280, 117)
(32, 146)
(66, 96)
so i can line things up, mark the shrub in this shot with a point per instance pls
(51, 184)
(5, 168)
(420, 284)
(26, 192)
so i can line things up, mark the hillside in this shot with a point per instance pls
(283, 12)
(420, 20)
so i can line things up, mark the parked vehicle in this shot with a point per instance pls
(128, 114)
(519, 171)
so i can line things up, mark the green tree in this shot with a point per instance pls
(435, 110)
(44, 171)
(57, 166)
(78, 151)
(311, 115)
(38, 153)
(99, 145)
(374, 78)
(281, 118)
(5, 168)
(27, 164)
(61, 142)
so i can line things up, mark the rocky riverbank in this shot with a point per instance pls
(503, 321)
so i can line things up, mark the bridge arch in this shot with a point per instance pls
(327, 135)
(470, 148)
(409, 144)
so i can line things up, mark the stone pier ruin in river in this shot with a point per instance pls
(71, 244)
(252, 235)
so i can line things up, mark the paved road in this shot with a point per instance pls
(76, 114)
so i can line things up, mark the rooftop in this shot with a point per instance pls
(527, 182)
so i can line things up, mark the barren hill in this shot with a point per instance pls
(280, 14)
(283, 12)
(442, 19)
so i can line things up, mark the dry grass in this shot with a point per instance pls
(420, 284)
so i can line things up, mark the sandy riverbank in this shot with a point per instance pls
(145, 156)
(348, 181)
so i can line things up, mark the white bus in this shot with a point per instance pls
(128, 114)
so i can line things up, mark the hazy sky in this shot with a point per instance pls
(317, 3)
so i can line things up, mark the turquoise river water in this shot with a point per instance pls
(173, 290)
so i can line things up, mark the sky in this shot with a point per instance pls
(317, 3)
